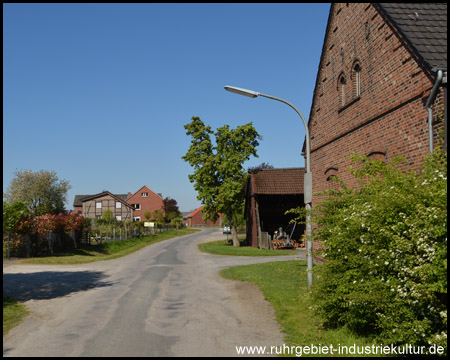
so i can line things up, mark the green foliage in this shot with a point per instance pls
(147, 215)
(385, 247)
(158, 216)
(108, 217)
(219, 174)
(13, 214)
(41, 191)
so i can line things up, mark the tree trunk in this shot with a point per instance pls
(233, 228)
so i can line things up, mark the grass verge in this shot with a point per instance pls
(13, 313)
(284, 285)
(222, 247)
(106, 251)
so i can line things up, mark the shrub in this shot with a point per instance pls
(385, 251)
(33, 231)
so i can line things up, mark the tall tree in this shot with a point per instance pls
(219, 175)
(42, 191)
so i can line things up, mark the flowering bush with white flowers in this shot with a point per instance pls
(385, 251)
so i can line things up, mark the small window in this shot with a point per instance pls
(98, 205)
(137, 206)
(118, 205)
(144, 194)
(342, 90)
(357, 80)
(119, 217)
(137, 218)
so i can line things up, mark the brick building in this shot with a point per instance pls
(378, 66)
(94, 206)
(145, 200)
(141, 201)
(196, 219)
(78, 201)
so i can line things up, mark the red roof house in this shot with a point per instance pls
(196, 219)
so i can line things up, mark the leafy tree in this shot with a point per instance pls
(171, 210)
(158, 216)
(42, 192)
(219, 175)
(148, 215)
(108, 217)
(13, 214)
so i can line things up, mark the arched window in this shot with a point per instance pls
(331, 175)
(378, 155)
(356, 74)
(341, 87)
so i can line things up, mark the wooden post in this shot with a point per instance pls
(50, 248)
(258, 224)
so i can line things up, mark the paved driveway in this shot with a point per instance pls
(164, 300)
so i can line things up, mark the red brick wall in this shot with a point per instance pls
(388, 118)
(150, 203)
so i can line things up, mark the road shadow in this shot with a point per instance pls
(50, 284)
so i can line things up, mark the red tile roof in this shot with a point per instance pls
(287, 181)
(196, 211)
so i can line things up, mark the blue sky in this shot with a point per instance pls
(99, 93)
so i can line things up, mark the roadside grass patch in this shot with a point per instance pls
(222, 247)
(106, 251)
(284, 285)
(13, 313)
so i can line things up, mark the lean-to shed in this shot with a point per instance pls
(269, 194)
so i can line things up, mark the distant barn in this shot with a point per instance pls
(196, 219)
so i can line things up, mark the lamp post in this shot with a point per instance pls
(307, 177)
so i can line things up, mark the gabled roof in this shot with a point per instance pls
(196, 211)
(288, 181)
(147, 188)
(423, 26)
(78, 198)
(115, 197)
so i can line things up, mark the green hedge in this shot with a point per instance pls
(385, 251)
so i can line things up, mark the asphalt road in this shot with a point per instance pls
(164, 300)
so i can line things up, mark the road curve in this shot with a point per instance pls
(164, 300)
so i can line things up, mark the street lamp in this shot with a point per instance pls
(307, 177)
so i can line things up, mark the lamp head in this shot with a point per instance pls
(240, 91)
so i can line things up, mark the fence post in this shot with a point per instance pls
(50, 248)
(114, 234)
